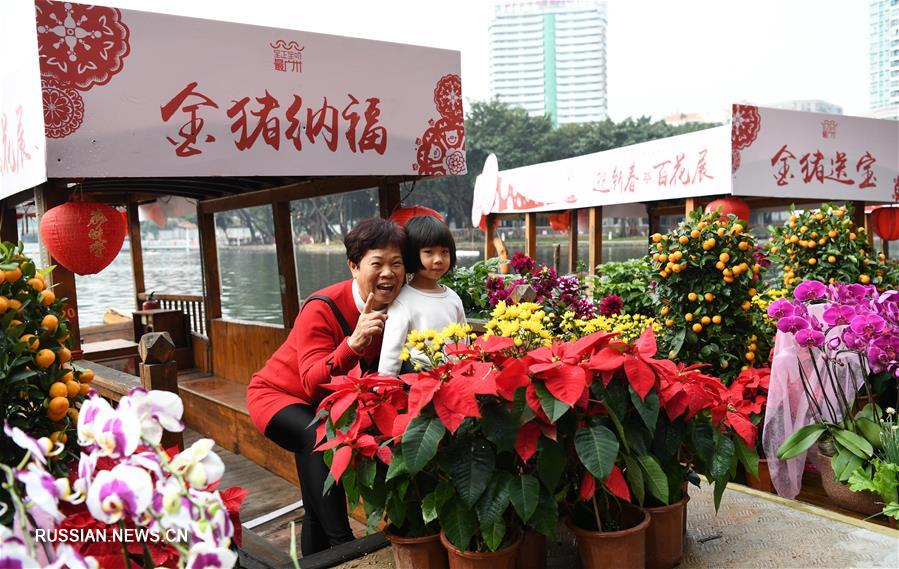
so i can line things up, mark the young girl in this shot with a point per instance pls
(429, 253)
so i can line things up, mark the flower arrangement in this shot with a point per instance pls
(41, 389)
(707, 277)
(556, 293)
(848, 331)
(507, 432)
(124, 481)
(883, 476)
(825, 245)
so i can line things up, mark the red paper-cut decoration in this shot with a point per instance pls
(885, 221)
(441, 149)
(80, 45)
(63, 108)
(730, 205)
(83, 237)
(404, 214)
(745, 126)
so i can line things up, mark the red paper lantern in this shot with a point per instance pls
(728, 206)
(83, 237)
(404, 214)
(885, 221)
(560, 221)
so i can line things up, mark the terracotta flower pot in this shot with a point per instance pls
(415, 552)
(502, 559)
(532, 553)
(665, 535)
(615, 549)
(763, 482)
(861, 502)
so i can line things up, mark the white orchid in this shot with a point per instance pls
(199, 465)
(67, 557)
(155, 411)
(205, 555)
(210, 522)
(39, 448)
(123, 492)
(13, 551)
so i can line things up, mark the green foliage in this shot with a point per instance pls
(627, 279)
(468, 283)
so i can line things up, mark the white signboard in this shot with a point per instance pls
(695, 164)
(793, 154)
(22, 148)
(131, 93)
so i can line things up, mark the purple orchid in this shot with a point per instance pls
(780, 308)
(867, 325)
(809, 290)
(852, 340)
(809, 338)
(792, 324)
(838, 315)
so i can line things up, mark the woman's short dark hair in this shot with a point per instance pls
(426, 231)
(372, 233)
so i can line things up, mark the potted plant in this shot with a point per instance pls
(882, 477)
(844, 333)
(749, 394)
(41, 388)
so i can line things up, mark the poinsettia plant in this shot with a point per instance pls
(501, 434)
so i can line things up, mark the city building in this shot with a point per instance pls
(807, 105)
(884, 51)
(549, 57)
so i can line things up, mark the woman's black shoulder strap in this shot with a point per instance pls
(347, 331)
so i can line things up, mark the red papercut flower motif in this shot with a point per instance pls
(745, 126)
(448, 97)
(79, 44)
(735, 159)
(455, 162)
(443, 139)
(63, 109)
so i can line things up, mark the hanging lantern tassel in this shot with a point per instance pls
(885, 221)
(83, 237)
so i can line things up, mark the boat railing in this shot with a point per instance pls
(190, 304)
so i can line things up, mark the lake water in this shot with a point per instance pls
(250, 277)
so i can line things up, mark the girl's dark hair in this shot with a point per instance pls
(372, 233)
(426, 231)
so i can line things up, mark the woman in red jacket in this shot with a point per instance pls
(338, 329)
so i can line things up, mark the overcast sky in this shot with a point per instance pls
(664, 56)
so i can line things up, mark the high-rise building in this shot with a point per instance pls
(549, 56)
(884, 50)
(807, 105)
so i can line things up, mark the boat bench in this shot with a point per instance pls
(217, 407)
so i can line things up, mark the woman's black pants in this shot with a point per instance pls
(325, 523)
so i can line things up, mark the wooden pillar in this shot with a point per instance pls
(9, 229)
(690, 204)
(287, 271)
(46, 197)
(137, 253)
(655, 222)
(489, 233)
(530, 235)
(209, 262)
(594, 254)
(388, 197)
(158, 370)
(572, 240)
